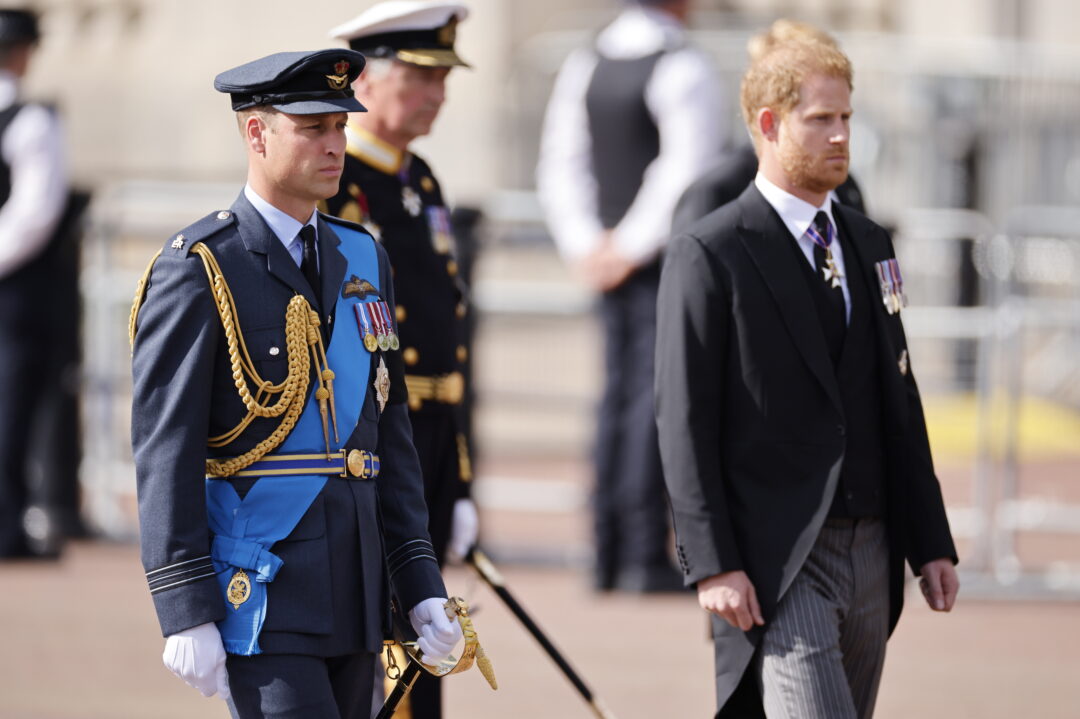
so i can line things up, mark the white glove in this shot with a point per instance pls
(197, 656)
(464, 527)
(438, 634)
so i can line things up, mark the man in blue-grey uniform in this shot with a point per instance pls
(33, 194)
(280, 497)
(632, 120)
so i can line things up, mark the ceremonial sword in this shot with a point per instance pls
(483, 566)
(456, 610)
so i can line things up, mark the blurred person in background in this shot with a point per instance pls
(791, 428)
(393, 192)
(726, 181)
(273, 577)
(632, 120)
(33, 195)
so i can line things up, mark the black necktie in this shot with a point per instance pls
(836, 321)
(821, 264)
(309, 265)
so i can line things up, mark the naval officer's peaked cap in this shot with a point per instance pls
(299, 83)
(419, 32)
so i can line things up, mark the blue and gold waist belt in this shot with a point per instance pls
(355, 463)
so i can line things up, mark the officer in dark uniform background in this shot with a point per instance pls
(33, 195)
(265, 359)
(393, 193)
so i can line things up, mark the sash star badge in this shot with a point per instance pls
(382, 384)
(239, 589)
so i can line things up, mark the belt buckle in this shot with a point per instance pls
(358, 463)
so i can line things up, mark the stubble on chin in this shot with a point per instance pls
(802, 172)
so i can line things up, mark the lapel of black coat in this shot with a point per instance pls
(259, 238)
(764, 235)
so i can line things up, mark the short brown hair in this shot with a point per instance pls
(266, 112)
(775, 78)
(785, 30)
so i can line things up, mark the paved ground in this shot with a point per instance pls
(79, 641)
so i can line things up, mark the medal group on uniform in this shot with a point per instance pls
(300, 360)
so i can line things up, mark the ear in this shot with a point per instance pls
(362, 85)
(768, 124)
(255, 132)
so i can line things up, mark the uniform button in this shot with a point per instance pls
(399, 312)
(849, 495)
(840, 430)
(460, 310)
(462, 353)
(410, 355)
(223, 215)
(274, 351)
(451, 268)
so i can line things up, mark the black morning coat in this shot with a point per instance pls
(359, 539)
(751, 424)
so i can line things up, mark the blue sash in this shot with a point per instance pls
(246, 529)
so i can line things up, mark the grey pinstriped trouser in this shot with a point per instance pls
(821, 656)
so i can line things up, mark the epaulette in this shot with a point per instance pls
(331, 219)
(179, 245)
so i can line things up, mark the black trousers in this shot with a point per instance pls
(22, 382)
(630, 508)
(294, 686)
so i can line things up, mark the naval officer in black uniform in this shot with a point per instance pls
(393, 193)
(280, 497)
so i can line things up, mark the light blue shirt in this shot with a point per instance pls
(283, 226)
(798, 215)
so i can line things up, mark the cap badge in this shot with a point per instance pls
(448, 32)
(341, 79)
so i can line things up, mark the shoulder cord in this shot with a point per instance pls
(301, 327)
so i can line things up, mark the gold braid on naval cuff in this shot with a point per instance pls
(445, 389)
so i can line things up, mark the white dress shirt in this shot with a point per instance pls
(33, 147)
(683, 96)
(798, 215)
(286, 228)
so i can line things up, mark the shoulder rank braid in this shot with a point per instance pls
(301, 328)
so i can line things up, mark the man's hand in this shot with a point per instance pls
(197, 656)
(939, 584)
(438, 634)
(731, 597)
(464, 528)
